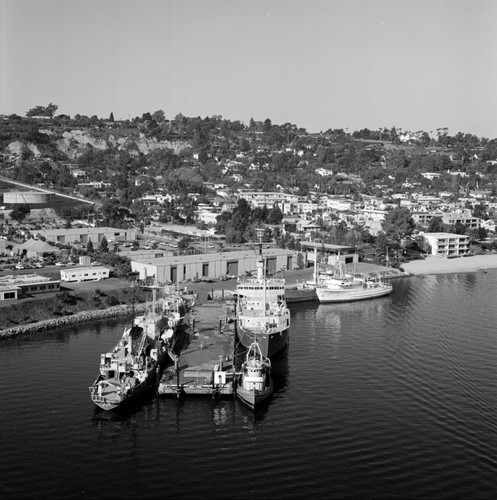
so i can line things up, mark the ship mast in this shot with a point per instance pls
(261, 272)
(315, 264)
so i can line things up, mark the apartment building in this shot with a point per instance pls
(447, 244)
(465, 218)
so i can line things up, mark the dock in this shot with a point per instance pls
(205, 366)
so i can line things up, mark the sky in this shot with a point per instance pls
(319, 64)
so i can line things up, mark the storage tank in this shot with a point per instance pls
(29, 197)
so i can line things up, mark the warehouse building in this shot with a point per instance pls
(84, 234)
(213, 265)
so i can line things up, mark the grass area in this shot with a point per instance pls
(66, 303)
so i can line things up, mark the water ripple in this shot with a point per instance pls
(387, 398)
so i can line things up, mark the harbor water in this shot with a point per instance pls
(393, 397)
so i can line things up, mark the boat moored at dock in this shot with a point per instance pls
(262, 312)
(334, 285)
(368, 289)
(133, 364)
(255, 384)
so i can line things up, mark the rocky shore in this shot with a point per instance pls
(49, 324)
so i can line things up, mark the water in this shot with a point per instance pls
(393, 397)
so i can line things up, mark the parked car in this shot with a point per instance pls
(60, 264)
(19, 266)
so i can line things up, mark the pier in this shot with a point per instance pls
(206, 364)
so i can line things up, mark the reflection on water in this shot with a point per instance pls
(110, 426)
(395, 396)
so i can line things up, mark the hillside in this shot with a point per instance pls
(132, 158)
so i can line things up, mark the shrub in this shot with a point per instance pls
(111, 300)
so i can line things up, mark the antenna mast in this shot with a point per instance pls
(261, 271)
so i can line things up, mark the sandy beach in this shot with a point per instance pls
(441, 265)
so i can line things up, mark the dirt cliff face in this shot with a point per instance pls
(72, 144)
(17, 149)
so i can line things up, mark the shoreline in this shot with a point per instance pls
(73, 319)
(442, 265)
(431, 265)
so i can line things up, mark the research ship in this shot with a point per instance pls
(262, 314)
(135, 362)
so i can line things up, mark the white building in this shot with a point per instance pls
(208, 216)
(372, 214)
(339, 204)
(446, 244)
(90, 273)
(461, 217)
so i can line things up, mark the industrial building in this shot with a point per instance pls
(16, 287)
(85, 234)
(213, 265)
(87, 273)
(346, 254)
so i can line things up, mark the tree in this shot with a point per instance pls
(89, 246)
(184, 242)
(460, 228)
(436, 225)
(111, 117)
(159, 116)
(398, 224)
(43, 110)
(275, 215)
(20, 212)
(104, 245)
(480, 210)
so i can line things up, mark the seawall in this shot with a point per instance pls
(81, 317)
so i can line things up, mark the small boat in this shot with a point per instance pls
(262, 312)
(134, 363)
(256, 384)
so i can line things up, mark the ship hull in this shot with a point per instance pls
(326, 295)
(254, 398)
(271, 343)
(111, 400)
(293, 295)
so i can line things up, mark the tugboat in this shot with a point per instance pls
(261, 311)
(133, 364)
(256, 384)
